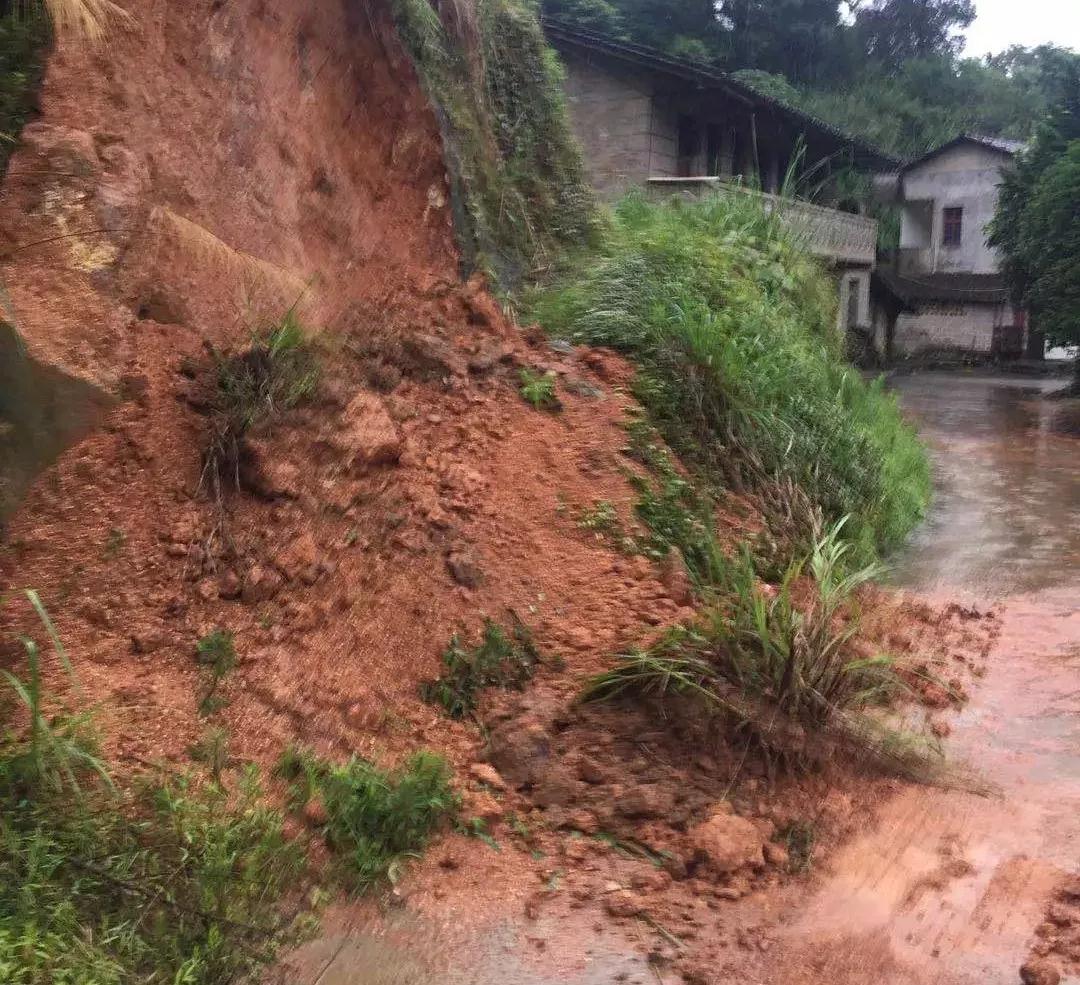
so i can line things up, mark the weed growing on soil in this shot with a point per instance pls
(212, 750)
(518, 188)
(500, 660)
(275, 374)
(538, 389)
(741, 367)
(376, 818)
(602, 520)
(216, 654)
(24, 38)
(799, 838)
(773, 664)
(175, 883)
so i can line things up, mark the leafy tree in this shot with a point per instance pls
(1049, 239)
(1037, 225)
(894, 32)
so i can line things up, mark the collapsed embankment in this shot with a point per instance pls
(184, 187)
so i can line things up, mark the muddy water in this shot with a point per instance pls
(1006, 516)
(948, 887)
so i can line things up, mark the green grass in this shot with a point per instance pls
(499, 660)
(538, 389)
(781, 666)
(173, 882)
(24, 42)
(216, 655)
(741, 368)
(376, 819)
(276, 373)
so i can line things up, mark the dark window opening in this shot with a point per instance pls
(689, 145)
(952, 227)
(853, 299)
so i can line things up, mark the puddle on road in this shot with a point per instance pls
(1006, 514)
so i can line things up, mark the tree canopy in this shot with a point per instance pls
(1037, 225)
(889, 70)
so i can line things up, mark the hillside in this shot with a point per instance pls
(313, 461)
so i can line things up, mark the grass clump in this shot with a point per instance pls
(276, 373)
(176, 882)
(538, 389)
(376, 818)
(732, 325)
(500, 660)
(216, 654)
(779, 661)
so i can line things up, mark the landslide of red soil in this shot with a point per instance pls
(213, 165)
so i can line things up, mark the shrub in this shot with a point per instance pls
(275, 374)
(376, 818)
(177, 882)
(499, 661)
(740, 365)
(538, 389)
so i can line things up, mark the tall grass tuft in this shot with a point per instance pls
(742, 369)
(781, 660)
(276, 373)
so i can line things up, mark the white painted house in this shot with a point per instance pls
(945, 290)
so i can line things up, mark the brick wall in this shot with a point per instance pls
(611, 111)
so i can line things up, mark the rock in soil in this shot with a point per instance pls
(645, 801)
(1039, 972)
(728, 843)
(520, 752)
(487, 774)
(624, 904)
(369, 435)
(464, 569)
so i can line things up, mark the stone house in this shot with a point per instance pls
(944, 291)
(647, 120)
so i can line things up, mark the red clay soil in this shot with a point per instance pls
(184, 186)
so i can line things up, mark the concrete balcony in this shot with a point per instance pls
(836, 237)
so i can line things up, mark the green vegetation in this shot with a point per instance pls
(176, 882)
(519, 193)
(795, 658)
(1036, 225)
(779, 662)
(500, 660)
(538, 389)
(892, 72)
(375, 818)
(800, 839)
(216, 654)
(24, 39)
(276, 373)
(741, 367)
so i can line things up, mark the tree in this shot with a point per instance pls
(894, 32)
(1049, 237)
(1032, 228)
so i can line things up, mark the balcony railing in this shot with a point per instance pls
(838, 237)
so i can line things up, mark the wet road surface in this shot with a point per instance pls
(948, 887)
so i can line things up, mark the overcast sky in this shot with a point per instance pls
(1000, 23)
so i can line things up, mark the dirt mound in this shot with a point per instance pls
(186, 184)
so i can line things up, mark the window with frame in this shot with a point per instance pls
(952, 226)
